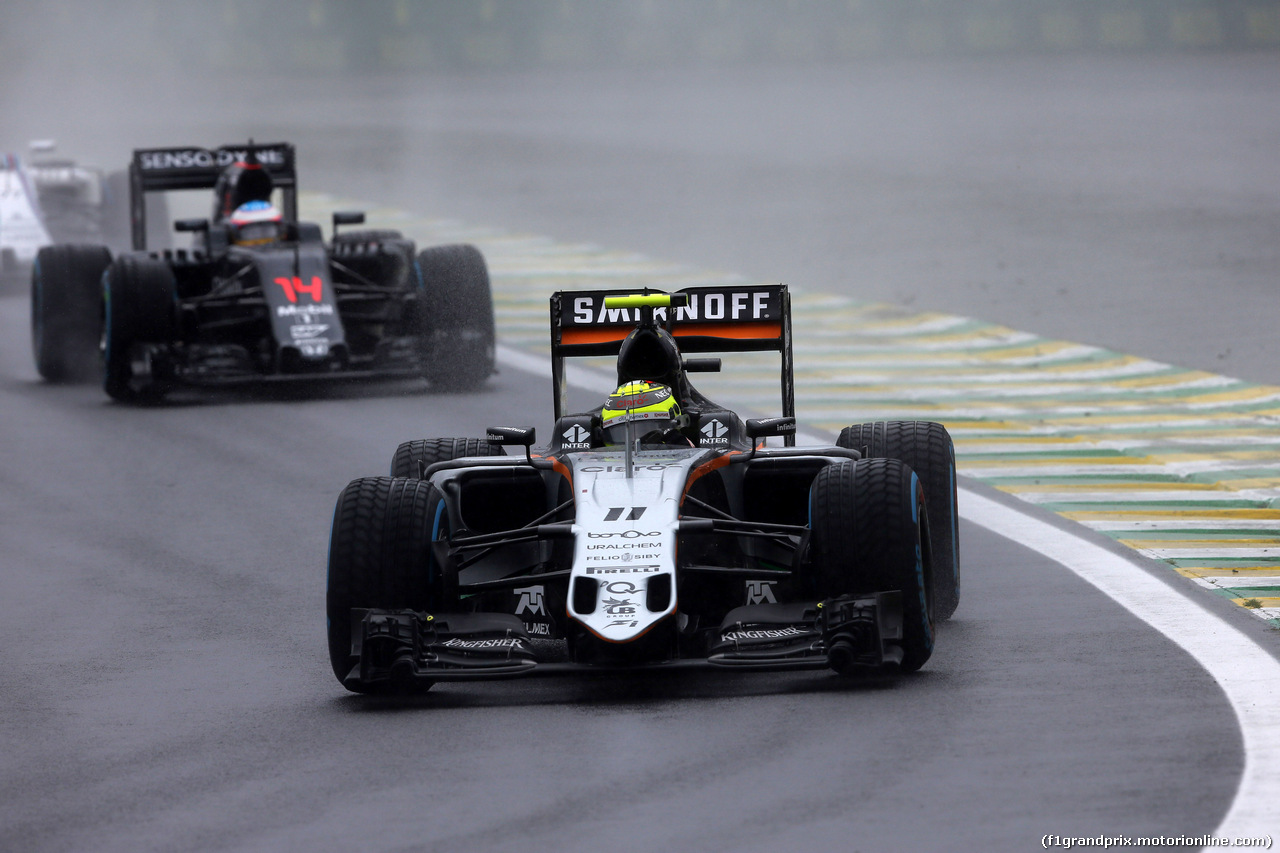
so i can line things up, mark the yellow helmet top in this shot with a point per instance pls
(640, 401)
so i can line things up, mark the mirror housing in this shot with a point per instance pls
(191, 225)
(523, 436)
(347, 217)
(764, 427)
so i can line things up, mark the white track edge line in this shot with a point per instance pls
(1245, 672)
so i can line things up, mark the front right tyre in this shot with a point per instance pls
(66, 311)
(140, 307)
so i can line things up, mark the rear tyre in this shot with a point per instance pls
(411, 457)
(927, 448)
(868, 533)
(380, 557)
(140, 299)
(456, 321)
(66, 311)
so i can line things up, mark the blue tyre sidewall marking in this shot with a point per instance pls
(916, 491)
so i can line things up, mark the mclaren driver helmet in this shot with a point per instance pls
(254, 223)
(650, 409)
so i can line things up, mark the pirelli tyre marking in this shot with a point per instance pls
(1180, 465)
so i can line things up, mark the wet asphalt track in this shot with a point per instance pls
(167, 684)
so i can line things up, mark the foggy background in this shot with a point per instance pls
(1094, 170)
(392, 35)
(1102, 171)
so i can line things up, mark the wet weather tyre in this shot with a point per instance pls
(66, 312)
(413, 457)
(140, 305)
(927, 448)
(868, 530)
(379, 557)
(456, 321)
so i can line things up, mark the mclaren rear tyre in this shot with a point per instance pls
(868, 530)
(412, 457)
(66, 312)
(380, 557)
(457, 322)
(927, 448)
(140, 325)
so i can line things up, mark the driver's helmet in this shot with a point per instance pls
(651, 409)
(254, 223)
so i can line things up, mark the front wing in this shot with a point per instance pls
(404, 648)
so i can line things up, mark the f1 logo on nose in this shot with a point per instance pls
(615, 513)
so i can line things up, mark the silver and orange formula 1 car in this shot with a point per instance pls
(659, 530)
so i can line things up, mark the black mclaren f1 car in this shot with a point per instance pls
(659, 530)
(259, 295)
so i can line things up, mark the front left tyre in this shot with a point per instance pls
(455, 319)
(869, 532)
(926, 447)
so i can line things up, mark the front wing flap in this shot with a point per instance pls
(406, 646)
(849, 634)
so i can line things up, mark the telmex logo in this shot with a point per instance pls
(727, 305)
(200, 158)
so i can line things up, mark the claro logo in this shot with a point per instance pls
(625, 534)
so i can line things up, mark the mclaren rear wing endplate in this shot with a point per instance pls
(734, 318)
(163, 169)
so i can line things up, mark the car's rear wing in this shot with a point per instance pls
(163, 169)
(741, 318)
